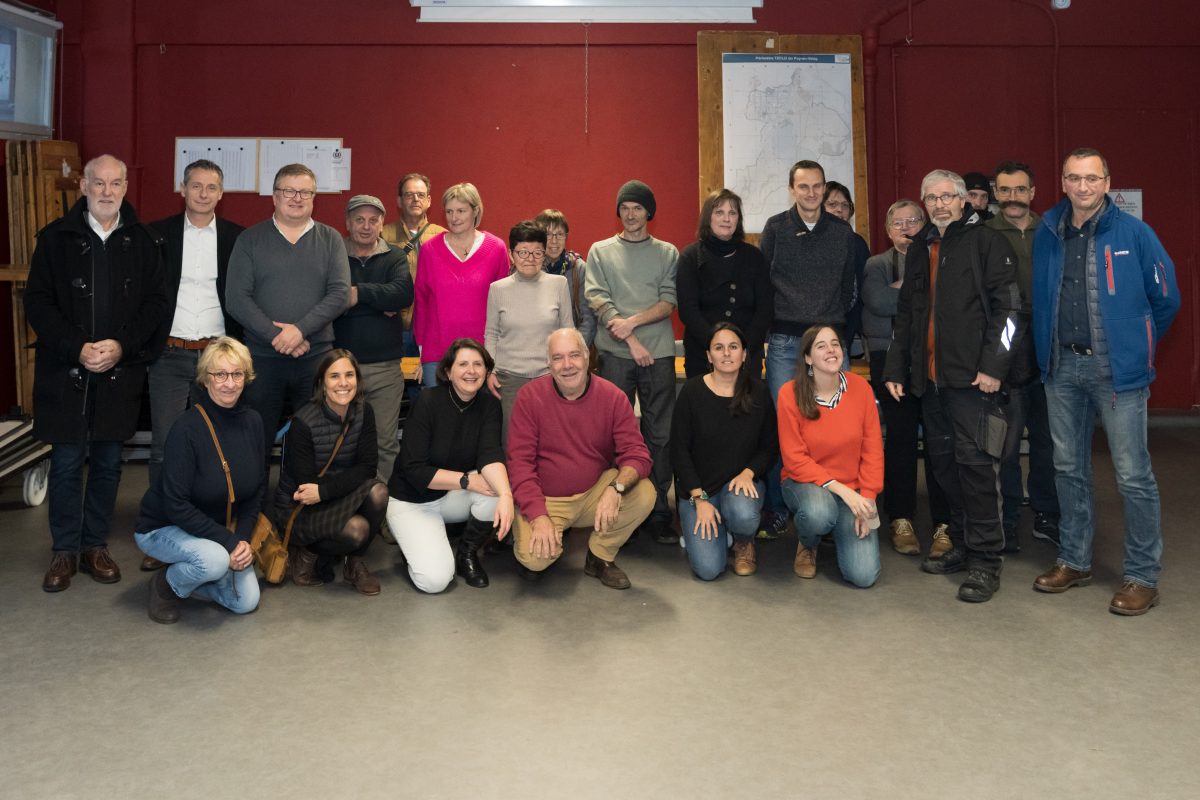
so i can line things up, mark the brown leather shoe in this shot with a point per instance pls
(745, 561)
(1133, 600)
(356, 573)
(303, 563)
(98, 563)
(1059, 578)
(904, 538)
(62, 567)
(150, 564)
(941, 541)
(805, 565)
(607, 571)
(163, 605)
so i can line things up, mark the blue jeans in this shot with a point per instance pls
(80, 518)
(200, 567)
(819, 511)
(739, 517)
(782, 353)
(429, 374)
(1074, 395)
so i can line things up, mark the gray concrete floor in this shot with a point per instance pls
(765, 687)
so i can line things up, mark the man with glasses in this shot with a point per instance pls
(957, 322)
(288, 280)
(884, 275)
(414, 195)
(631, 287)
(812, 257)
(95, 299)
(1104, 295)
(1017, 222)
(371, 328)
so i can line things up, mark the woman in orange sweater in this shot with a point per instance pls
(832, 451)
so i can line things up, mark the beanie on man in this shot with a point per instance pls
(636, 192)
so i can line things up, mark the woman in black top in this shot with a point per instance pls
(722, 278)
(723, 440)
(451, 469)
(185, 519)
(342, 509)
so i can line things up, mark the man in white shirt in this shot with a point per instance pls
(197, 249)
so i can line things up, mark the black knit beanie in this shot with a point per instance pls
(636, 192)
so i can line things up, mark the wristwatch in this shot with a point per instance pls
(702, 496)
(620, 487)
(464, 481)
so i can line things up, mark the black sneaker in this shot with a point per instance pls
(1012, 543)
(659, 528)
(953, 560)
(979, 586)
(1045, 527)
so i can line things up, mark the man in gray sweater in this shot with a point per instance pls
(289, 278)
(630, 284)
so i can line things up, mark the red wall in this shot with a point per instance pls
(504, 105)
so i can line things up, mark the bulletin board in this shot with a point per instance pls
(816, 110)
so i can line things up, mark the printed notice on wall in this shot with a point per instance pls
(1128, 200)
(237, 158)
(328, 160)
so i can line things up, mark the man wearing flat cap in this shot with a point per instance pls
(630, 285)
(372, 327)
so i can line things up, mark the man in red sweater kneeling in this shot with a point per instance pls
(576, 457)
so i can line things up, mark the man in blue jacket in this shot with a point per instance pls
(1104, 294)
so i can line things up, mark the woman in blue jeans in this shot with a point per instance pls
(722, 442)
(186, 520)
(832, 450)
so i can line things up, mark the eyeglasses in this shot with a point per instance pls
(222, 376)
(303, 194)
(556, 235)
(414, 195)
(1090, 180)
(1005, 191)
(837, 204)
(529, 255)
(906, 222)
(945, 199)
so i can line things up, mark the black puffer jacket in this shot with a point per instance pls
(976, 304)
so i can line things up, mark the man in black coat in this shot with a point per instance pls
(198, 244)
(94, 298)
(955, 329)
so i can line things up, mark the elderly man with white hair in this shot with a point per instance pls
(955, 328)
(576, 457)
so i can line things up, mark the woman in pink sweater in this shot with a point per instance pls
(454, 271)
(832, 451)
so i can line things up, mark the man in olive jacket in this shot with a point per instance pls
(94, 298)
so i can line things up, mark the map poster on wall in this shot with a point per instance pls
(780, 108)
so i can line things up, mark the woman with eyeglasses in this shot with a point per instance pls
(330, 457)
(186, 519)
(883, 278)
(837, 201)
(455, 270)
(523, 309)
(722, 278)
(569, 264)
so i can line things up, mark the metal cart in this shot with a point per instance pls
(20, 451)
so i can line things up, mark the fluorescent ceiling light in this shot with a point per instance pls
(705, 11)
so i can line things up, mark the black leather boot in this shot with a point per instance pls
(467, 564)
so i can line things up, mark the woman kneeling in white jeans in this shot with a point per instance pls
(451, 469)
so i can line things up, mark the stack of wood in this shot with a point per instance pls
(43, 183)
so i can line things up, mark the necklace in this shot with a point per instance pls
(454, 399)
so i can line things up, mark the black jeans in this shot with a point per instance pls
(79, 517)
(1027, 408)
(966, 459)
(280, 381)
(903, 420)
